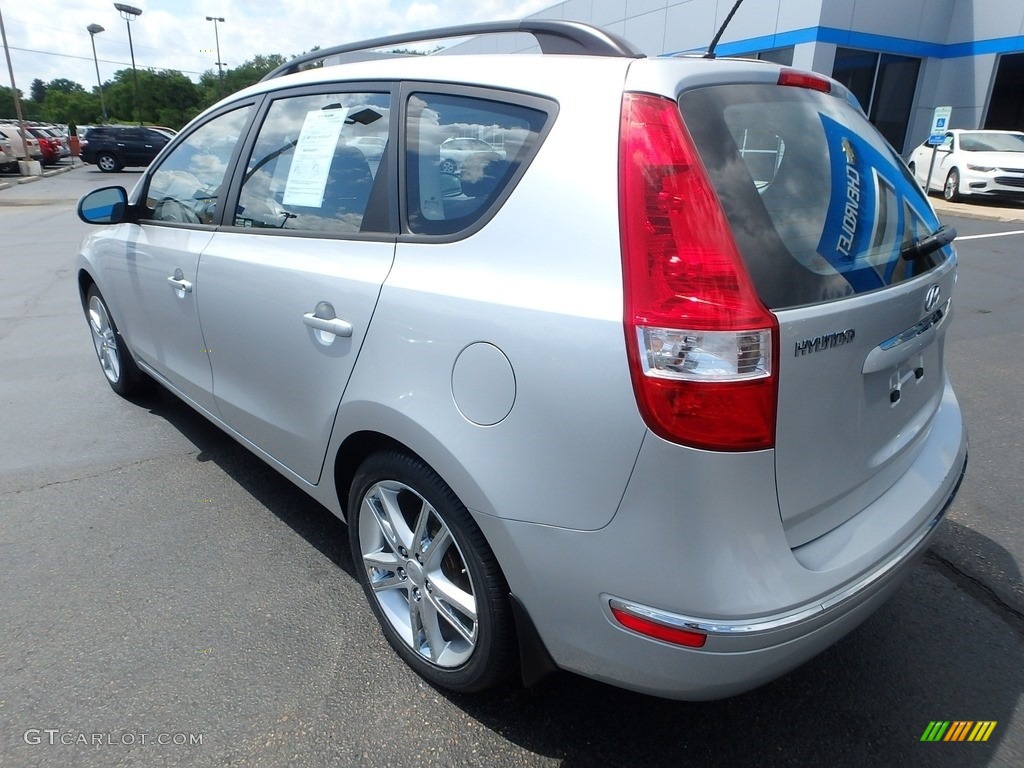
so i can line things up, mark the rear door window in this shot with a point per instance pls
(819, 203)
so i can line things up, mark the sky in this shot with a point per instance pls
(47, 39)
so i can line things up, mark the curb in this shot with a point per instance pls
(984, 211)
(14, 181)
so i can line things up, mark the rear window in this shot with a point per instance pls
(820, 205)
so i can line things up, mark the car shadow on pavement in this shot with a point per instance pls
(312, 521)
(934, 652)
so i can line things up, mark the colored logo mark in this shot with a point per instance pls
(958, 730)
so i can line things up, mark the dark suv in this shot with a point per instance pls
(112, 147)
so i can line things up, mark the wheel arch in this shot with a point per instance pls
(85, 280)
(364, 427)
(353, 451)
(535, 662)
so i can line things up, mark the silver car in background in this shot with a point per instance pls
(21, 147)
(656, 395)
(8, 160)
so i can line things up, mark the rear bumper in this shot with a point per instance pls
(698, 544)
(743, 635)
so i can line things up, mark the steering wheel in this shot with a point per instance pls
(173, 210)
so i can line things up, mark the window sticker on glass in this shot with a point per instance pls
(307, 177)
(877, 210)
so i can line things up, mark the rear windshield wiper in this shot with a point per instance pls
(944, 235)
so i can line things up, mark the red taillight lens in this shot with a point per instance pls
(699, 340)
(673, 635)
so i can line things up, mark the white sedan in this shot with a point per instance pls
(454, 152)
(973, 163)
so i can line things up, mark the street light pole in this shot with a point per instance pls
(216, 36)
(93, 30)
(128, 13)
(17, 98)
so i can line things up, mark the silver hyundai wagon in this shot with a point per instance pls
(648, 387)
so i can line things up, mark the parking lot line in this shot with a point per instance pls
(991, 234)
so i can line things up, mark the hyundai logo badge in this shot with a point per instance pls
(931, 299)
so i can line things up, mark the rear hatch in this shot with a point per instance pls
(821, 208)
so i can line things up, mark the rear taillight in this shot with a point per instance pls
(700, 342)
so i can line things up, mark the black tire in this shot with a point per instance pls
(412, 538)
(951, 189)
(116, 361)
(107, 162)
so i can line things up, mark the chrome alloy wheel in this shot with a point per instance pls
(104, 338)
(951, 190)
(417, 574)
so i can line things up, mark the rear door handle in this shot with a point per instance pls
(179, 283)
(334, 325)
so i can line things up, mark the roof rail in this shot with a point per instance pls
(553, 37)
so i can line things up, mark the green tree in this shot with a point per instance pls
(7, 101)
(71, 107)
(63, 85)
(166, 97)
(38, 91)
(242, 76)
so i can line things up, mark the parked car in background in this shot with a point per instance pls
(656, 393)
(454, 151)
(49, 145)
(113, 147)
(970, 163)
(371, 146)
(22, 148)
(7, 159)
(61, 135)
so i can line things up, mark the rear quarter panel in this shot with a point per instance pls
(541, 282)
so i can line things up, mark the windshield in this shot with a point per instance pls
(992, 142)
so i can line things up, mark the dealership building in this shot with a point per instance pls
(901, 58)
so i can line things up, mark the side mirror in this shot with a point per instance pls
(108, 205)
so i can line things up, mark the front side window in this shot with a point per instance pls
(188, 184)
(314, 165)
(461, 154)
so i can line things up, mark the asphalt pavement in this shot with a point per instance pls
(167, 599)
